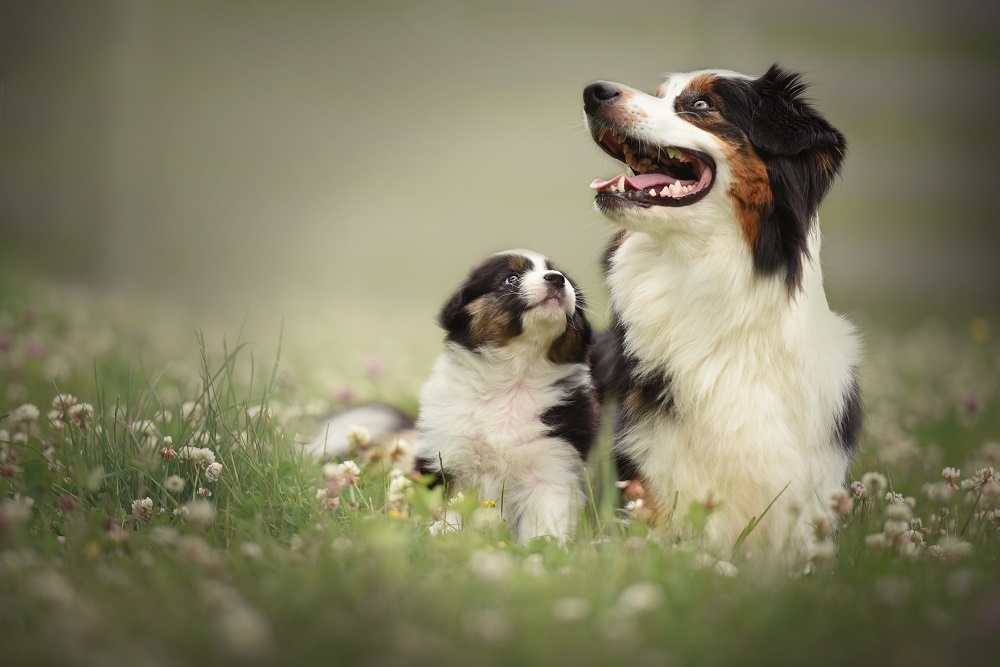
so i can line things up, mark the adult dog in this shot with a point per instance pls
(737, 385)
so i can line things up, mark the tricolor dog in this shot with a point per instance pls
(734, 378)
(510, 409)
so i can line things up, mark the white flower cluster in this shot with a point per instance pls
(142, 510)
(358, 437)
(400, 488)
(197, 456)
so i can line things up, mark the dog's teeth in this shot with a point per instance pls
(665, 191)
(652, 191)
(621, 183)
(673, 153)
(600, 135)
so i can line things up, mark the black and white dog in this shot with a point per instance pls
(510, 409)
(734, 378)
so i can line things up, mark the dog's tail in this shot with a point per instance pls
(381, 421)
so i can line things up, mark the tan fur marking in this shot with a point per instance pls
(751, 190)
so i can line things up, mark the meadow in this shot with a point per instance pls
(156, 510)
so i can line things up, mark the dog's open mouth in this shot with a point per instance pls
(660, 175)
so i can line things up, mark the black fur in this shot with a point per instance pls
(852, 419)
(576, 420)
(803, 153)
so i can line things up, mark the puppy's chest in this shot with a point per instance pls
(510, 416)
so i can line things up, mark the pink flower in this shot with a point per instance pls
(374, 366)
(331, 503)
(35, 349)
(345, 395)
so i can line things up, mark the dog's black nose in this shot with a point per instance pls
(597, 93)
(557, 279)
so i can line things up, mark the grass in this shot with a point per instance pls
(266, 569)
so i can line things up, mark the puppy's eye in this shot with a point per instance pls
(511, 279)
(702, 104)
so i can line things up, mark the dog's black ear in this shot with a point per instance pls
(453, 317)
(784, 123)
(803, 153)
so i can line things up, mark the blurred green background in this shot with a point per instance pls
(331, 162)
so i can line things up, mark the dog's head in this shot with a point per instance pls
(718, 152)
(519, 296)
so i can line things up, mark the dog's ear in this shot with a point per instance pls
(803, 153)
(785, 124)
(453, 317)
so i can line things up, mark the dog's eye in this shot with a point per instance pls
(511, 279)
(702, 104)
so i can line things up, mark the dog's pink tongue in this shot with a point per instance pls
(637, 182)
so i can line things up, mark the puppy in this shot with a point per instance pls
(737, 386)
(510, 409)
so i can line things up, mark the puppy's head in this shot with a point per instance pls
(517, 297)
(712, 144)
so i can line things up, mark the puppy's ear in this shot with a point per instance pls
(453, 318)
(784, 123)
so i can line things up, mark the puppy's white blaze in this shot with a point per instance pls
(759, 382)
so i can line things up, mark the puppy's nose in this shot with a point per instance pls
(554, 278)
(597, 93)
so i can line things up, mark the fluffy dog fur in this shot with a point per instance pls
(734, 378)
(510, 409)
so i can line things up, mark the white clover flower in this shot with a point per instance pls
(898, 511)
(25, 414)
(950, 475)
(81, 415)
(823, 554)
(142, 510)
(859, 491)
(640, 598)
(358, 436)
(841, 502)
(204, 492)
(321, 494)
(982, 477)
(534, 564)
(244, 632)
(894, 528)
(400, 488)
(938, 492)
(63, 402)
(213, 471)
(182, 512)
(16, 509)
(457, 498)
(400, 449)
(894, 498)
(251, 550)
(875, 482)
(197, 456)
(331, 471)
(174, 484)
(491, 566)
(950, 549)
(190, 409)
(350, 471)
(200, 513)
(570, 609)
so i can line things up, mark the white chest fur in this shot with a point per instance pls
(757, 380)
(481, 417)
